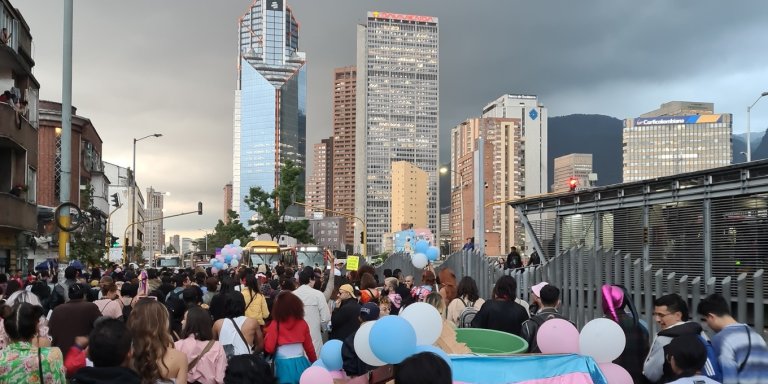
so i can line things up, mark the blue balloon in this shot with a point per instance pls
(228, 258)
(433, 253)
(421, 246)
(318, 363)
(437, 351)
(392, 339)
(219, 265)
(330, 355)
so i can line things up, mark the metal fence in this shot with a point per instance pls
(580, 272)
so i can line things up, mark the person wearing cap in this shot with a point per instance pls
(536, 298)
(344, 320)
(686, 356)
(549, 297)
(353, 366)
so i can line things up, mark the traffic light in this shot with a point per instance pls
(362, 239)
(199, 207)
(572, 184)
(115, 200)
(114, 241)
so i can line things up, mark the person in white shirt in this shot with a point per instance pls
(316, 311)
(687, 356)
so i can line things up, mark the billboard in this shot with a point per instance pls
(404, 17)
(666, 120)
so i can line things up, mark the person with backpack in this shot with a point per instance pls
(464, 307)
(502, 313)
(741, 351)
(549, 296)
(671, 313)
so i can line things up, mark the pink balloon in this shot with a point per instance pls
(615, 374)
(558, 336)
(214, 270)
(316, 375)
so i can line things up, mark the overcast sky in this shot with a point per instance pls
(169, 66)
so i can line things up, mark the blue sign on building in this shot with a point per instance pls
(533, 114)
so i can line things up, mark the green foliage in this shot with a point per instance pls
(225, 233)
(87, 243)
(170, 249)
(271, 207)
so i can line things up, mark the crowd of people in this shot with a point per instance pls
(268, 325)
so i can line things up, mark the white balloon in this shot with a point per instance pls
(426, 321)
(603, 339)
(363, 347)
(236, 242)
(234, 263)
(419, 261)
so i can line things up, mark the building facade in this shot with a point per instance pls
(227, 202)
(320, 183)
(397, 114)
(176, 243)
(503, 168)
(343, 164)
(574, 165)
(409, 196)
(120, 184)
(154, 236)
(270, 101)
(679, 137)
(328, 232)
(19, 166)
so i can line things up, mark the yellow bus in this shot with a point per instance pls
(268, 252)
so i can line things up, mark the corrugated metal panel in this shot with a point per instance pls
(676, 238)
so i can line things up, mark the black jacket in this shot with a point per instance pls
(353, 366)
(501, 315)
(514, 261)
(106, 375)
(345, 320)
(530, 327)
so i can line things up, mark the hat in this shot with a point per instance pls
(613, 298)
(536, 289)
(369, 312)
(348, 289)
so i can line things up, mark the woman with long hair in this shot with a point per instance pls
(237, 333)
(23, 362)
(368, 289)
(287, 337)
(420, 293)
(217, 307)
(616, 304)
(205, 356)
(255, 302)
(153, 355)
(502, 313)
(447, 285)
(466, 296)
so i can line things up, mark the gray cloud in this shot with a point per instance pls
(170, 66)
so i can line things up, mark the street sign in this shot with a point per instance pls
(353, 262)
(116, 254)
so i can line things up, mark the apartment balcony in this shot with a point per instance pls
(16, 213)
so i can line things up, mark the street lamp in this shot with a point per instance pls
(133, 192)
(749, 130)
(460, 178)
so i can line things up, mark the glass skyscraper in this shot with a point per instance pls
(397, 114)
(270, 119)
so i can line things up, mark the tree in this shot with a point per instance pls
(226, 233)
(87, 243)
(170, 249)
(271, 207)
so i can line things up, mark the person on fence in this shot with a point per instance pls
(671, 313)
(549, 297)
(464, 308)
(502, 313)
(514, 260)
(741, 351)
(616, 302)
(687, 357)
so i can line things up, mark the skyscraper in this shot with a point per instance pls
(576, 165)
(270, 100)
(154, 238)
(319, 184)
(409, 196)
(679, 137)
(227, 202)
(343, 168)
(397, 113)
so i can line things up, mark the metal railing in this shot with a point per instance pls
(580, 272)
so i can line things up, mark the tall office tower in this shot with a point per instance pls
(503, 170)
(409, 196)
(574, 165)
(679, 137)
(270, 101)
(176, 242)
(343, 168)
(319, 184)
(397, 114)
(227, 202)
(153, 236)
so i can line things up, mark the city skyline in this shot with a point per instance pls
(613, 67)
